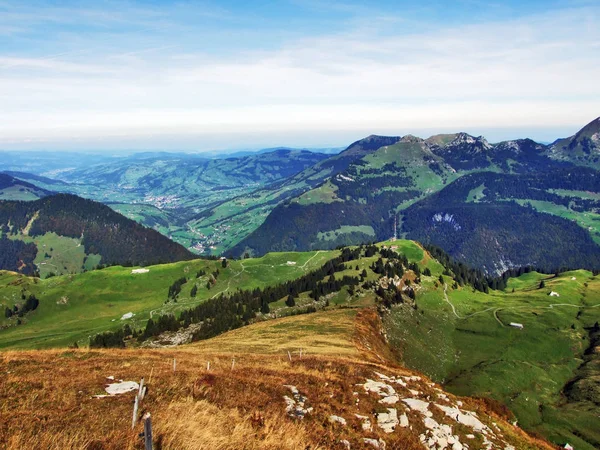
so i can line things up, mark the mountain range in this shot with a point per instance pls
(497, 206)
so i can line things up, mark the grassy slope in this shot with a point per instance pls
(239, 407)
(588, 220)
(470, 350)
(19, 193)
(479, 354)
(75, 306)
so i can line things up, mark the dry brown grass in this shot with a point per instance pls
(46, 397)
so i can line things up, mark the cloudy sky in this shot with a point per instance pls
(92, 75)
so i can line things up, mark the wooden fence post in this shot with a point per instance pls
(232, 363)
(135, 412)
(141, 389)
(208, 366)
(174, 364)
(289, 356)
(147, 431)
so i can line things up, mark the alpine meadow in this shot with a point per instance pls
(299, 225)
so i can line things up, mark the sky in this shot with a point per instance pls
(201, 76)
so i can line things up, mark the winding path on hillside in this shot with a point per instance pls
(496, 310)
(309, 259)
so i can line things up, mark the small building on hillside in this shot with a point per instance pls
(517, 325)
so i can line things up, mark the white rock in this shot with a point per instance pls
(467, 419)
(383, 377)
(430, 423)
(403, 420)
(390, 400)
(379, 388)
(366, 422)
(374, 443)
(388, 421)
(128, 315)
(338, 419)
(122, 387)
(137, 271)
(417, 405)
(345, 443)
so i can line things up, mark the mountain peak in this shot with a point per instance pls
(462, 140)
(583, 148)
(591, 130)
(409, 138)
(372, 142)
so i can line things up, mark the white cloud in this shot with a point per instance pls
(531, 72)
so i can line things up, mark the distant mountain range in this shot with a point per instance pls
(497, 206)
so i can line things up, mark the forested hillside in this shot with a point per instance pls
(492, 205)
(99, 229)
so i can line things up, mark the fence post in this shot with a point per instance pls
(289, 356)
(135, 412)
(232, 363)
(147, 431)
(174, 364)
(208, 366)
(141, 389)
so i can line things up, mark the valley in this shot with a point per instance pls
(299, 225)
(231, 206)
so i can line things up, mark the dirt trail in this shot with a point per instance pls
(496, 310)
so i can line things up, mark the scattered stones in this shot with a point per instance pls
(379, 444)
(388, 421)
(366, 422)
(390, 400)
(337, 419)
(379, 388)
(295, 406)
(345, 443)
(467, 419)
(418, 405)
(412, 378)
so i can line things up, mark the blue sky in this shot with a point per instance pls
(227, 75)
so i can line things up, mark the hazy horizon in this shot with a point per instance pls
(152, 75)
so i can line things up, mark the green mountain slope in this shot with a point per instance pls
(67, 234)
(582, 149)
(166, 191)
(12, 188)
(516, 205)
(225, 224)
